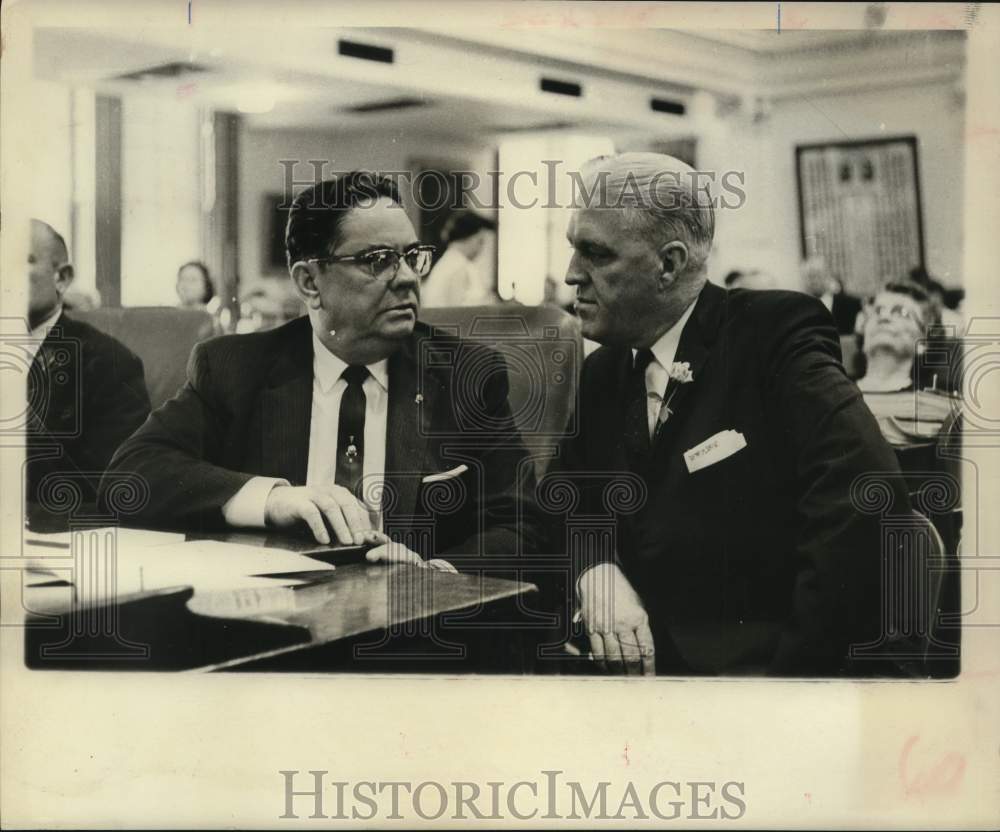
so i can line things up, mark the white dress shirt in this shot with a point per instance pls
(246, 507)
(658, 372)
(40, 333)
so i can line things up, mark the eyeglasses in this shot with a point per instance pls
(383, 263)
(897, 310)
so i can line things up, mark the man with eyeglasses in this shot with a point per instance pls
(892, 325)
(349, 420)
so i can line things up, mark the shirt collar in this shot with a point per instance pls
(665, 348)
(327, 367)
(41, 331)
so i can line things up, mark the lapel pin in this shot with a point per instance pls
(419, 399)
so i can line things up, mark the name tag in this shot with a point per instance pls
(714, 449)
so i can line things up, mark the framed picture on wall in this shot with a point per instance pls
(859, 207)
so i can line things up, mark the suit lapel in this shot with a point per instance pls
(694, 347)
(287, 408)
(46, 399)
(413, 397)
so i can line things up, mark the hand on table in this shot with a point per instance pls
(348, 517)
(392, 552)
(620, 639)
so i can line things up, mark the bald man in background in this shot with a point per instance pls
(730, 414)
(86, 390)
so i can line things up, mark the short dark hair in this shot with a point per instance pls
(317, 212)
(209, 286)
(464, 224)
(906, 287)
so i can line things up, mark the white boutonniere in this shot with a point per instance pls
(680, 371)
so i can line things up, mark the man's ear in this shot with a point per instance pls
(64, 276)
(304, 279)
(673, 261)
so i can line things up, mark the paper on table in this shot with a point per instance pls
(54, 541)
(204, 565)
(210, 564)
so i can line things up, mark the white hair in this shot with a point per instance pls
(661, 197)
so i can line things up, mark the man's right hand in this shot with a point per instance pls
(616, 622)
(287, 505)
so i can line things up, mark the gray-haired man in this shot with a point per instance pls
(731, 415)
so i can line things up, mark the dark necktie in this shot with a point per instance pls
(351, 430)
(636, 420)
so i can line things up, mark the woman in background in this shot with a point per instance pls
(892, 326)
(456, 280)
(194, 285)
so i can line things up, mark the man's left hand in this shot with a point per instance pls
(393, 552)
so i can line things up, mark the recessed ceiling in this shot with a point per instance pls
(272, 96)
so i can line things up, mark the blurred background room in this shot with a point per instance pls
(163, 151)
(837, 158)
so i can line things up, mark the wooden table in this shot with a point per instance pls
(360, 617)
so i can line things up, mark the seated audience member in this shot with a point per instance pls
(893, 325)
(729, 416)
(86, 390)
(891, 328)
(334, 418)
(196, 291)
(821, 283)
(917, 417)
(943, 335)
(456, 280)
(194, 285)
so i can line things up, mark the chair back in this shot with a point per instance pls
(161, 336)
(543, 348)
(937, 564)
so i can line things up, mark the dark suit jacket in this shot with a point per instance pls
(86, 394)
(758, 563)
(245, 410)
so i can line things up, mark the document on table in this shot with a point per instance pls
(144, 564)
(53, 542)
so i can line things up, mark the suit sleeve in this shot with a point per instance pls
(577, 479)
(833, 439)
(506, 504)
(171, 452)
(117, 403)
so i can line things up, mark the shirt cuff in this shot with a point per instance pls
(247, 506)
